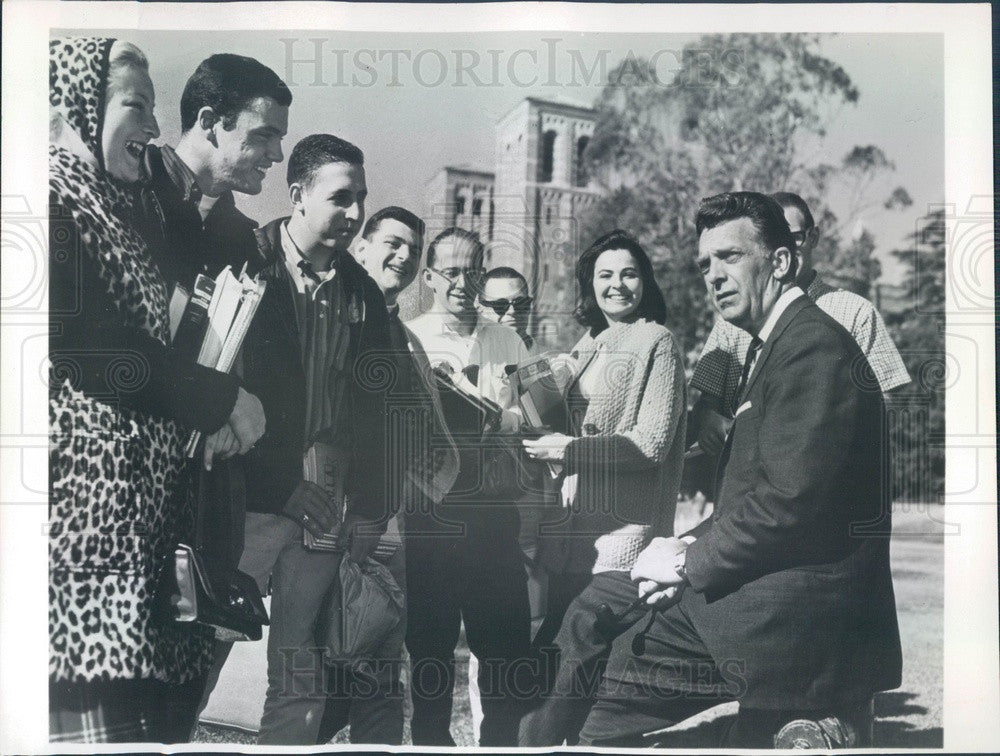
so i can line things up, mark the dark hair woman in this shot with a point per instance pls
(622, 469)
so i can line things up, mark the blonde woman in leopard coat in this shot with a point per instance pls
(120, 408)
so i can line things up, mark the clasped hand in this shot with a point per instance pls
(245, 426)
(655, 571)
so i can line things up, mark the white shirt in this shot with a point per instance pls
(490, 346)
(776, 312)
(205, 205)
(772, 318)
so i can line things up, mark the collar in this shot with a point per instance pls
(813, 285)
(180, 175)
(779, 307)
(444, 328)
(393, 311)
(292, 255)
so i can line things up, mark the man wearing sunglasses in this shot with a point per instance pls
(717, 373)
(505, 299)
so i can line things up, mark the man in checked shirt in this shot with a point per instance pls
(717, 373)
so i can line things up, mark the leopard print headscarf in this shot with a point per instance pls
(116, 504)
(100, 205)
(78, 85)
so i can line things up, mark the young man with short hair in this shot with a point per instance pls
(234, 114)
(476, 577)
(320, 322)
(423, 459)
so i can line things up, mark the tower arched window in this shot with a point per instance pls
(582, 177)
(547, 157)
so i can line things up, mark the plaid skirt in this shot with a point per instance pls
(123, 711)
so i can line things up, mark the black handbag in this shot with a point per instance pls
(200, 583)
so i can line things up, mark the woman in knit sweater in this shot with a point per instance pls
(622, 469)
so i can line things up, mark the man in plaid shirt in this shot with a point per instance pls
(717, 373)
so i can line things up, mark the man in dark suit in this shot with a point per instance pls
(783, 599)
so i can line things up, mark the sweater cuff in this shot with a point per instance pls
(577, 452)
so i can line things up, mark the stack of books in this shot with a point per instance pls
(208, 324)
(541, 400)
(539, 396)
(326, 465)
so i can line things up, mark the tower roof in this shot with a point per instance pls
(556, 102)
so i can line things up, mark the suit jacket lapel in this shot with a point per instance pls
(786, 317)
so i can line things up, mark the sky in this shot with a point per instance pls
(417, 102)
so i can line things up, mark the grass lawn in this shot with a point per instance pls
(909, 717)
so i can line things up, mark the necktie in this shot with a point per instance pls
(752, 351)
(308, 271)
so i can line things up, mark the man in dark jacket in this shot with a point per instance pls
(312, 356)
(234, 114)
(789, 604)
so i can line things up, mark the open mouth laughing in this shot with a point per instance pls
(134, 148)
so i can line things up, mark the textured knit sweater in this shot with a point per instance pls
(629, 450)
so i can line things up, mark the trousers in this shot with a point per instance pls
(477, 578)
(305, 703)
(660, 673)
(629, 715)
(570, 668)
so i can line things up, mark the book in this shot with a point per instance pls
(178, 302)
(467, 414)
(252, 293)
(227, 305)
(193, 323)
(326, 465)
(541, 401)
(225, 302)
(539, 396)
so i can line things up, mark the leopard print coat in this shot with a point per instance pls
(117, 504)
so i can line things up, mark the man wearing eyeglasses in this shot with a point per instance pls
(717, 373)
(505, 299)
(467, 565)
